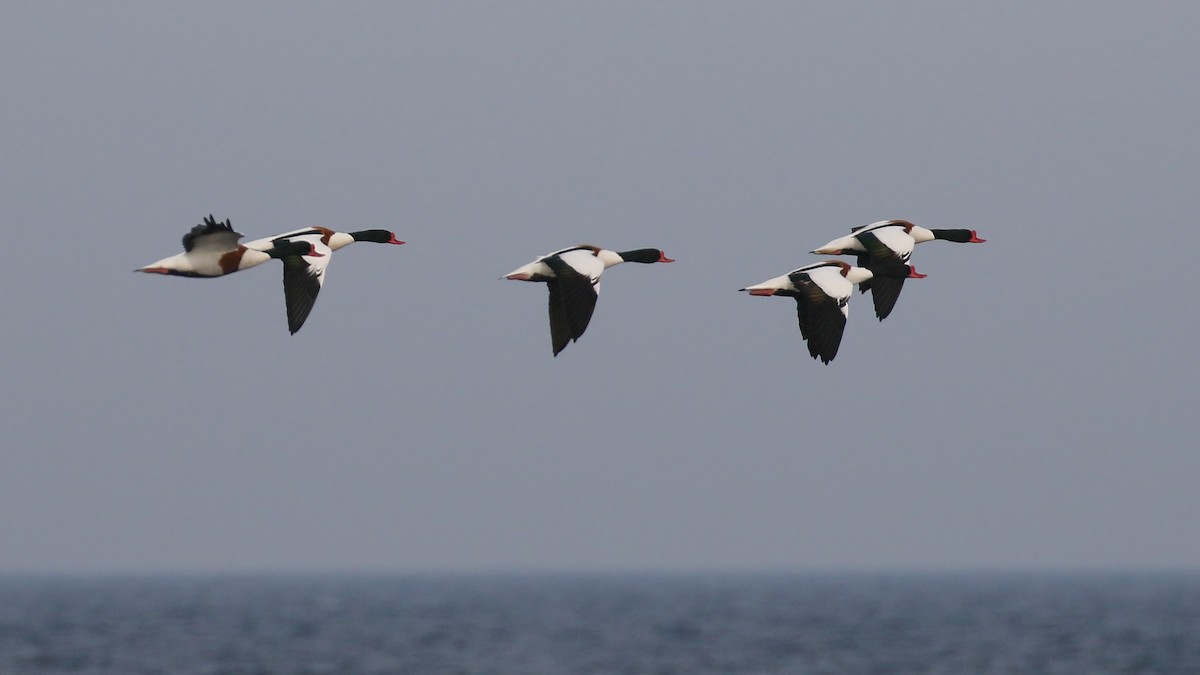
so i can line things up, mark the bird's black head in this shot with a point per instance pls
(644, 255)
(377, 236)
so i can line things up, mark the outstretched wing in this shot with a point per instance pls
(821, 321)
(887, 263)
(885, 291)
(560, 325)
(572, 301)
(303, 277)
(300, 289)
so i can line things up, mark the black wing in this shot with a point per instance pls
(560, 326)
(885, 291)
(300, 289)
(889, 270)
(572, 301)
(208, 228)
(821, 321)
(863, 260)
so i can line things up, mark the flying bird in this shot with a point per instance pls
(822, 292)
(888, 244)
(573, 277)
(211, 249)
(303, 275)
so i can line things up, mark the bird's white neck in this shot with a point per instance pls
(340, 239)
(609, 258)
(857, 275)
(921, 234)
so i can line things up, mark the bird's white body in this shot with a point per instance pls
(898, 235)
(830, 278)
(589, 262)
(210, 263)
(331, 239)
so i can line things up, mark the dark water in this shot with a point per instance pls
(603, 624)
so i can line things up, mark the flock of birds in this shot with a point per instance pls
(822, 290)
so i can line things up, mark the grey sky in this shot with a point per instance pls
(1031, 404)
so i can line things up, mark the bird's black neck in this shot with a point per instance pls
(641, 255)
(959, 236)
(377, 236)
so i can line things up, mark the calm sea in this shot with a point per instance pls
(1019, 623)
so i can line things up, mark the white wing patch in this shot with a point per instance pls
(831, 281)
(586, 263)
(317, 266)
(895, 238)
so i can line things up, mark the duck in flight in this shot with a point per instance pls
(304, 275)
(889, 244)
(573, 277)
(211, 249)
(822, 292)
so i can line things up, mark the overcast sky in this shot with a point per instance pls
(1031, 404)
